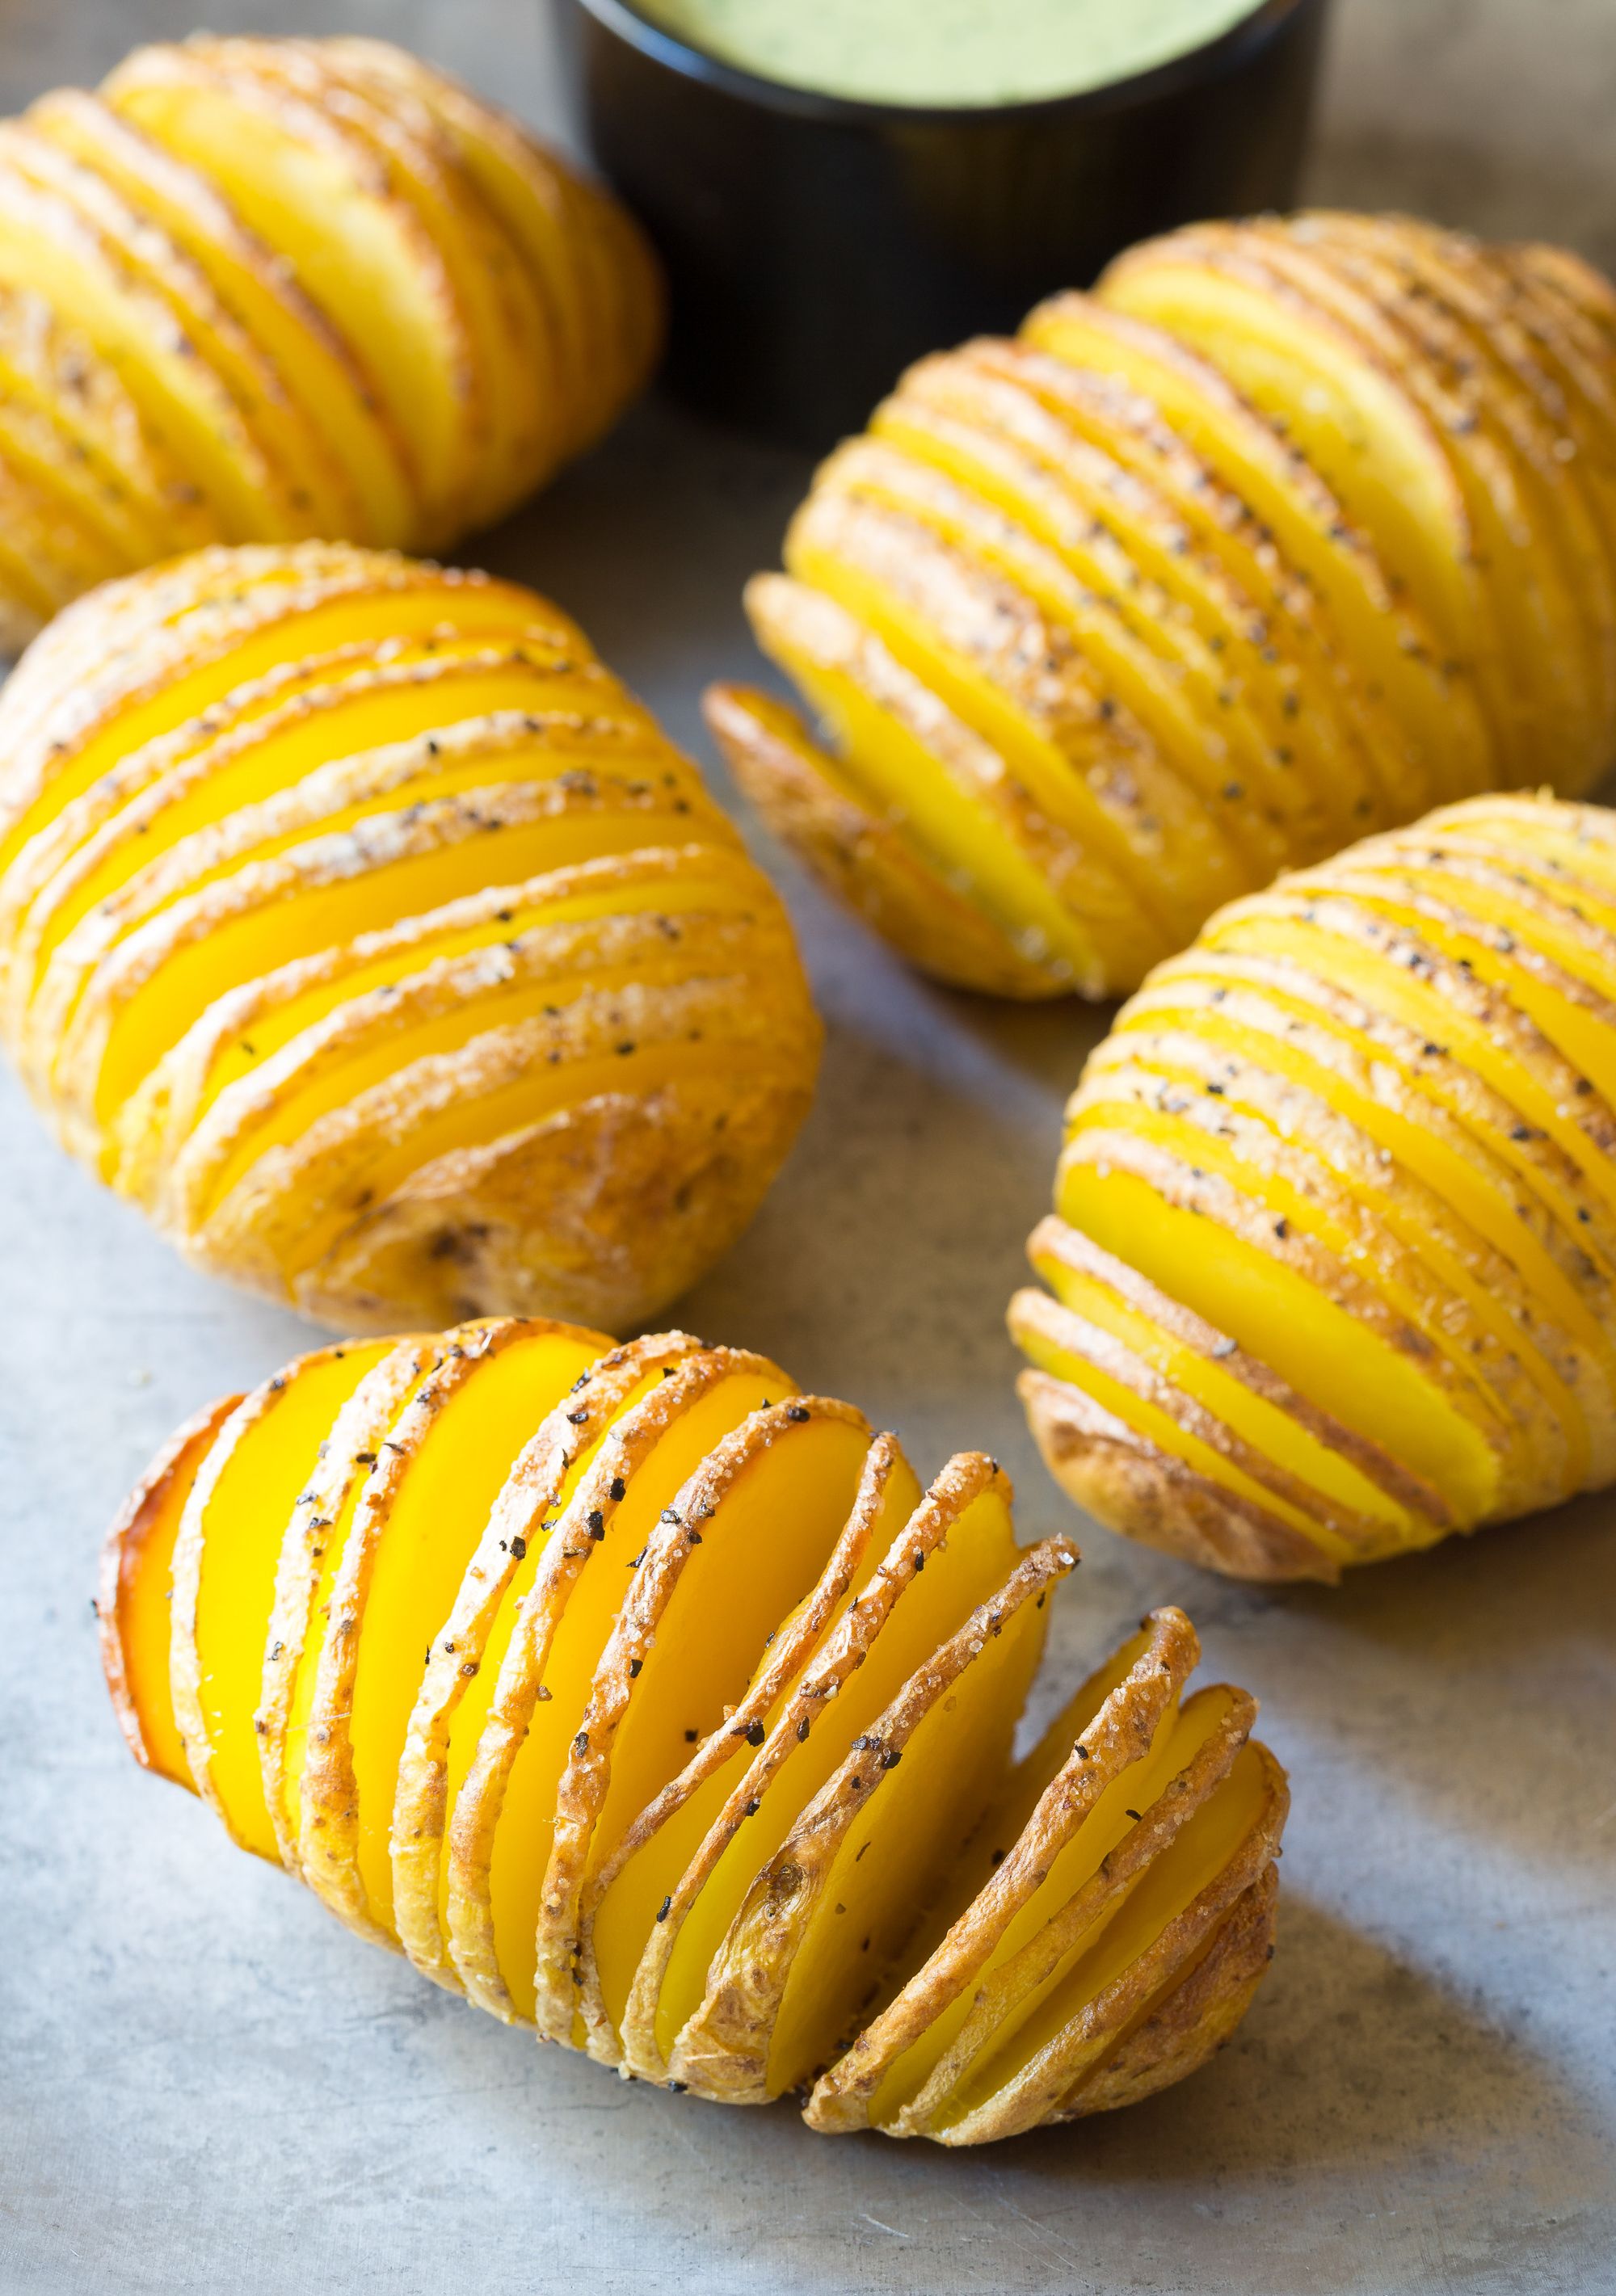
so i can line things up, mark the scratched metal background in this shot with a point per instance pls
(206, 2085)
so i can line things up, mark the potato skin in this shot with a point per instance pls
(700, 1452)
(439, 989)
(1454, 983)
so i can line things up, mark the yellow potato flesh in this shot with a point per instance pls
(625, 1918)
(1442, 723)
(329, 390)
(349, 249)
(67, 263)
(1270, 1429)
(523, 1835)
(300, 1704)
(1159, 674)
(426, 1539)
(245, 946)
(1419, 1293)
(1328, 1355)
(1162, 1429)
(242, 1528)
(470, 1716)
(897, 1851)
(1452, 1283)
(1054, 780)
(1357, 424)
(381, 614)
(890, 768)
(1480, 1189)
(358, 717)
(1201, 1852)
(961, 1572)
(668, 894)
(1187, 651)
(1179, 1737)
(761, 1552)
(1398, 993)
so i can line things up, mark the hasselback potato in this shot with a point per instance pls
(1292, 529)
(254, 289)
(357, 923)
(641, 1698)
(1334, 1240)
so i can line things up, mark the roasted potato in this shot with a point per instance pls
(254, 290)
(1290, 530)
(646, 1701)
(1334, 1243)
(358, 924)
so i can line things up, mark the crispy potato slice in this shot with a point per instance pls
(424, 1504)
(1167, 1923)
(307, 181)
(51, 247)
(1156, 674)
(1082, 460)
(311, 357)
(515, 1747)
(984, 648)
(1355, 408)
(306, 1573)
(787, 1980)
(1432, 696)
(476, 1633)
(743, 1545)
(165, 645)
(113, 1002)
(223, 1574)
(132, 1602)
(863, 855)
(923, 767)
(228, 1051)
(1471, 1301)
(632, 1908)
(1096, 1752)
(1345, 1480)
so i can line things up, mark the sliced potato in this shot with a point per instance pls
(645, 1698)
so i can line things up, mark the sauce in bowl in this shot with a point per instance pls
(945, 52)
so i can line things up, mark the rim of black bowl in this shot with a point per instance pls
(1210, 61)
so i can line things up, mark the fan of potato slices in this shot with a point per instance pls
(255, 291)
(643, 1700)
(1334, 1257)
(359, 925)
(1292, 529)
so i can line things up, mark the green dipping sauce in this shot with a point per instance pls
(946, 52)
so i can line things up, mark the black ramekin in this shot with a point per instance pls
(816, 245)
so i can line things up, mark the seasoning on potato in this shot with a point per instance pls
(646, 1701)
(1332, 1264)
(1292, 529)
(357, 923)
(255, 290)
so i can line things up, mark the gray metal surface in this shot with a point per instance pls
(206, 2085)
